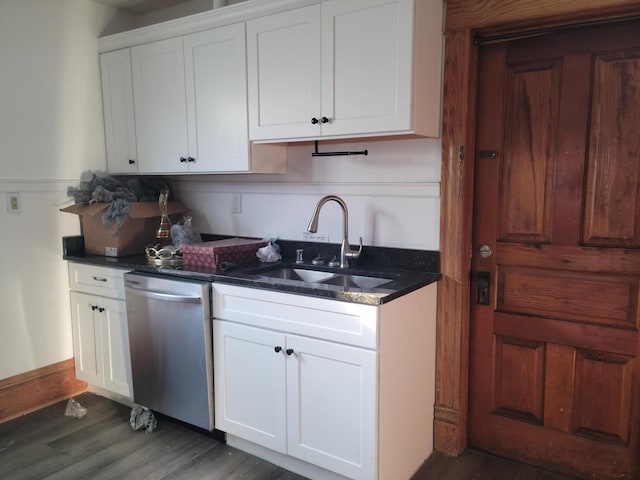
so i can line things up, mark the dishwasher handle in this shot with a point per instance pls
(169, 297)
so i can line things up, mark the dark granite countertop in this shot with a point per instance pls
(406, 269)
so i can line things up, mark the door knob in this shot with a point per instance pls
(485, 251)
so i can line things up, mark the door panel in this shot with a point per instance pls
(519, 379)
(553, 363)
(614, 148)
(533, 93)
(605, 417)
(569, 295)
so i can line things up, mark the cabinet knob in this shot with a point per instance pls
(183, 159)
(94, 307)
(131, 161)
(324, 120)
(278, 349)
(191, 159)
(289, 351)
(314, 120)
(101, 309)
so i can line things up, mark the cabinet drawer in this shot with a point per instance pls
(332, 320)
(104, 281)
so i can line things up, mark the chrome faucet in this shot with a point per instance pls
(345, 248)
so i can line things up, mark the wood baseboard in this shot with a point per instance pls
(31, 391)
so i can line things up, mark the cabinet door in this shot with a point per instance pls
(331, 401)
(283, 62)
(250, 399)
(216, 88)
(366, 66)
(119, 119)
(115, 346)
(160, 106)
(87, 341)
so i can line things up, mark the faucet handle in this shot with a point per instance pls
(355, 255)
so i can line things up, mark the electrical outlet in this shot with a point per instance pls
(13, 202)
(315, 237)
(236, 203)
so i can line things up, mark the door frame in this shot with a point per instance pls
(465, 20)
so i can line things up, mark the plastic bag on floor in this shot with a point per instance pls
(74, 409)
(142, 418)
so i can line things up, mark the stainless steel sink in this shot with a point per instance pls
(356, 281)
(292, 275)
(299, 274)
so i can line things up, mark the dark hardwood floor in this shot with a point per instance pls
(48, 445)
(474, 465)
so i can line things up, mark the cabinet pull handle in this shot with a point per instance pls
(183, 159)
(314, 120)
(290, 351)
(191, 159)
(131, 161)
(324, 120)
(277, 349)
(99, 279)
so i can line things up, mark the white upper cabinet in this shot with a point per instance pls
(366, 66)
(378, 64)
(119, 119)
(160, 106)
(216, 86)
(196, 91)
(185, 109)
(283, 55)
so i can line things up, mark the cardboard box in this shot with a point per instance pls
(212, 254)
(138, 230)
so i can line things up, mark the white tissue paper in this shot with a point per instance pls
(268, 253)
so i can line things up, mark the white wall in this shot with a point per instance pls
(51, 130)
(393, 195)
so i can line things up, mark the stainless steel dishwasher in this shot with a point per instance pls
(171, 346)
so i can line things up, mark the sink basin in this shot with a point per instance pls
(299, 274)
(356, 281)
(293, 275)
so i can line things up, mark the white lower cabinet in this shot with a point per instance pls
(308, 398)
(325, 388)
(246, 368)
(100, 331)
(331, 406)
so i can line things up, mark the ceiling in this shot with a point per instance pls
(140, 7)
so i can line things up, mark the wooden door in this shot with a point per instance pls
(553, 355)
